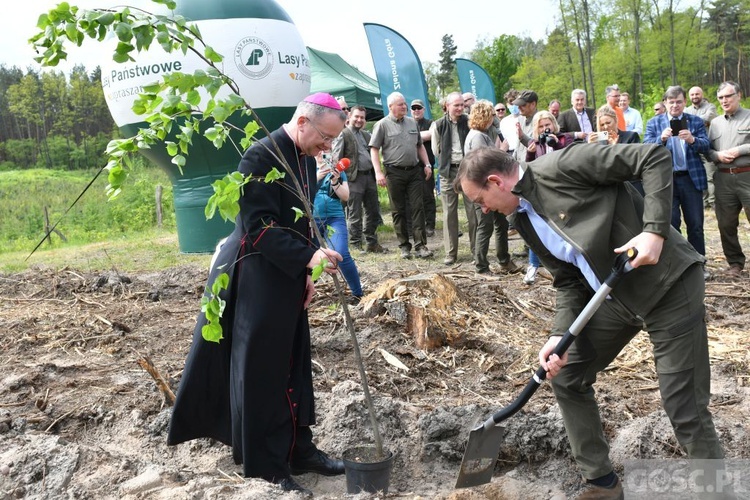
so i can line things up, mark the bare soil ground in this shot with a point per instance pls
(80, 417)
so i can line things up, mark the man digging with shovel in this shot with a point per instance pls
(575, 210)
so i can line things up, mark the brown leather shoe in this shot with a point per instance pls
(734, 271)
(376, 248)
(510, 267)
(592, 492)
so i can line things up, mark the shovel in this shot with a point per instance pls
(485, 440)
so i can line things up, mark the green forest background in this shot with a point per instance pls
(54, 127)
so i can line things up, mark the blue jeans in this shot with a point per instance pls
(533, 259)
(685, 196)
(339, 241)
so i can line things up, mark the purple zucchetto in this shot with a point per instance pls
(323, 99)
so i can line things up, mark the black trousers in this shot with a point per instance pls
(406, 184)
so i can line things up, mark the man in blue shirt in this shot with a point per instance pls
(575, 210)
(633, 120)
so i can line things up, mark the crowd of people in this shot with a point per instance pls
(625, 185)
(681, 123)
(578, 186)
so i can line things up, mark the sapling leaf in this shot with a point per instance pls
(298, 213)
(318, 270)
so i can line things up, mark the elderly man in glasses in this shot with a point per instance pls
(730, 151)
(253, 390)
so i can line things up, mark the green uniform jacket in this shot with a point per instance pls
(347, 147)
(581, 192)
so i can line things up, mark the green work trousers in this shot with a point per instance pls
(732, 193)
(449, 197)
(677, 329)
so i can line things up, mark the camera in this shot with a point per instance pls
(547, 138)
(328, 159)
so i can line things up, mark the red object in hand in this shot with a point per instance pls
(343, 164)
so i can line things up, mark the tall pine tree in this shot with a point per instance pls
(446, 77)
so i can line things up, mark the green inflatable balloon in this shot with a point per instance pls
(263, 52)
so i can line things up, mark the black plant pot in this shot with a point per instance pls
(367, 472)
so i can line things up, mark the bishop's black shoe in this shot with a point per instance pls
(319, 463)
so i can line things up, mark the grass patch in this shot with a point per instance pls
(151, 250)
(25, 194)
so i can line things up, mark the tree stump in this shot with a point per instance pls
(429, 305)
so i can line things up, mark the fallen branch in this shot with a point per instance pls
(728, 295)
(521, 309)
(162, 384)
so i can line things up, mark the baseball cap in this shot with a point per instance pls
(417, 102)
(526, 97)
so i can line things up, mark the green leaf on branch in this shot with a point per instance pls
(221, 113)
(179, 160)
(273, 175)
(212, 55)
(298, 214)
(318, 270)
(250, 130)
(116, 177)
(226, 197)
(212, 306)
(193, 98)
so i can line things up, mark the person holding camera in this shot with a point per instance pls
(607, 131)
(547, 137)
(685, 136)
(328, 212)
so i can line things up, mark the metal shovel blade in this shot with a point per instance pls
(480, 456)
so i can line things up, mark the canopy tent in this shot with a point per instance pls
(330, 73)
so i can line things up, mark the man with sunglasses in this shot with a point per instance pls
(729, 137)
(344, 107)
(430, 207)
